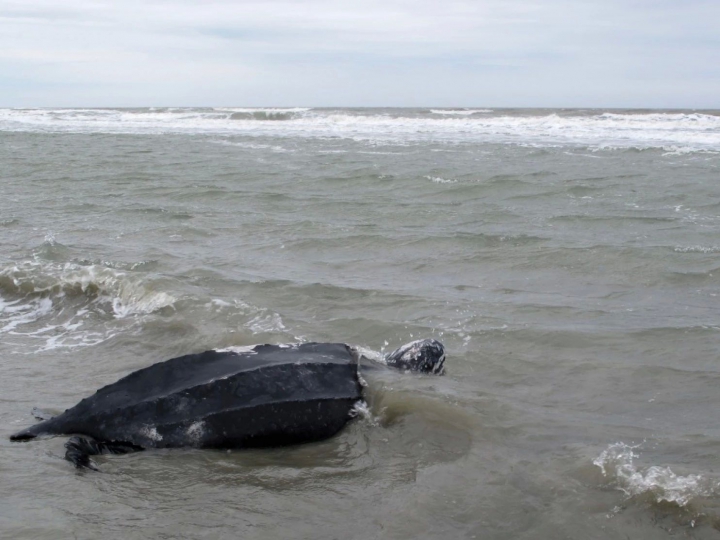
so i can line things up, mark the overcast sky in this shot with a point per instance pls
(552, 53)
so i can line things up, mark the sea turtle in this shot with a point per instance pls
(240, 397)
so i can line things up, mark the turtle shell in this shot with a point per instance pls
(267, 395)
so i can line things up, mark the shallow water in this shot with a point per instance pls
(568, 259)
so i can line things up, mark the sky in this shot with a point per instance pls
(362, 53)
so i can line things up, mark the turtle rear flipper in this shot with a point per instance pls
(30, 433)
(51, 425)
(79, 449)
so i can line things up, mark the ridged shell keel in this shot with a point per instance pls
(268, 396)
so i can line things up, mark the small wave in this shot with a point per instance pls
(68, 305)
(265, 114)
(661, 484)
(666, 149)
(17, 313)
(672, 150)
(126, 294)
(697, 249)
(710, 275)
(266, 110)
(440, 180)
(266, 323)
(252, 146)
(258, 320)
(34, 319)
(460, 112)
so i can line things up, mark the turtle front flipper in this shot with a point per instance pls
(79, 450)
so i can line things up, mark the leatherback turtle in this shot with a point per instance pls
(241, 397)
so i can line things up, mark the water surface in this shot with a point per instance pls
(568, 259)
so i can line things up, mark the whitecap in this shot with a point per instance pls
(441, 180)
(258, 320)
(253, 146)
(697, 249)
(462, 112)
(617, 462)
(674, 133)
(267, 110)
(71, 305)
(266, 322)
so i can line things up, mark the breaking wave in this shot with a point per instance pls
(660, 484)
(697, 249)
(240, 314)
(673, 132)
(266, 114)
(70, 305)
(122, 293)
(460, 112)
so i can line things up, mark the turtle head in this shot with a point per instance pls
(424, 355)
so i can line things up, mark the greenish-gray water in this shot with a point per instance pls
(568, 259)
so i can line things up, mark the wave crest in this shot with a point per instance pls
(125, 294)
(661, 484)
(70, 305)
(266, 114)
(675, 132)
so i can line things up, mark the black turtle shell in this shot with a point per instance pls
(267, 395)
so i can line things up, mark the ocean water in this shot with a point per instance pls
(568, 259)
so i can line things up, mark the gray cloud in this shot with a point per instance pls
(330, 52)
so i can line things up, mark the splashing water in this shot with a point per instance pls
(362, 410)
(67, 305)
(617, 463)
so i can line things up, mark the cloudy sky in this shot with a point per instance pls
(551, 53)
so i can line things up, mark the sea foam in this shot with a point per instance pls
(675, 133)
(70, 305)
(617, 463)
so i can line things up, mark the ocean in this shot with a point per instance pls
(569, 260)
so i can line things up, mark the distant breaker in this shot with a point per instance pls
(258, 396)
(681, 132)
(460, 112)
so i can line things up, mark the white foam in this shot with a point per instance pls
(258, 320)
(361, 410)
(460, 112)
(677, 133)
(697, 249)
(266, 322)
(617, 463)
(58, 304)
(254, 146)
(264, 110)
(440, 180)
(22, 313)
(370, 354)
(239, 349)
(134, 299)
